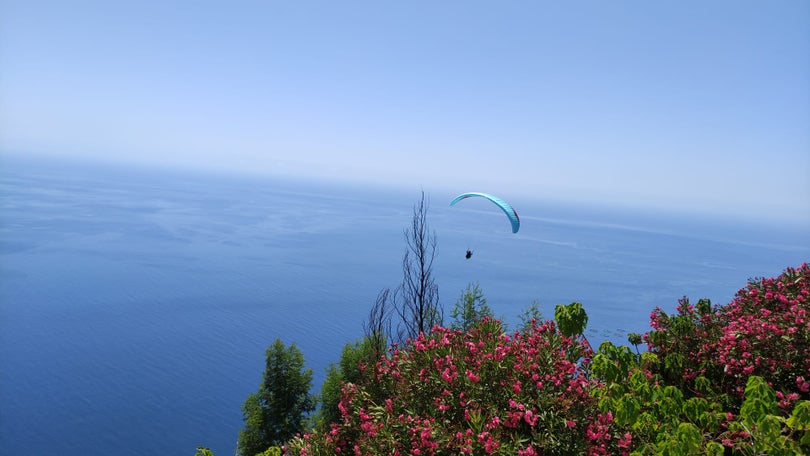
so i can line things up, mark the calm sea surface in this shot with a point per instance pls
(136, 305)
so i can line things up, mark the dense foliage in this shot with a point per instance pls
(715, 379)
(276, 412)
(764, 331)
(474, 392)
(350, 369)
(731, 379)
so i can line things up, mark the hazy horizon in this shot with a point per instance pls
(611, 214)
(686, 107)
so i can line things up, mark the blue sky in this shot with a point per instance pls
(686, 105)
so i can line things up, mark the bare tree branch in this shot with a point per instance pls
(378, 327)
(418, 296)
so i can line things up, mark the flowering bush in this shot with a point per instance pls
(768, 334)
(657, 416)
(686, 343)
(732, 379)
(717, 379)
(764, 331)
(475, 392)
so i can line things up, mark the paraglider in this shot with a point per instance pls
(505, 207)
(469, 254)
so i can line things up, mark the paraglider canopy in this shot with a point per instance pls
(505, 207)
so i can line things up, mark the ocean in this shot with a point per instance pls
(136, 304)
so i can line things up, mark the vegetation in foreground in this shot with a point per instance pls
(731, 379)
(715, 380)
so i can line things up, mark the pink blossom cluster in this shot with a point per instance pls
(599, 433)
(768, 333)
(763, 331)
(534, 392)
(476, 392)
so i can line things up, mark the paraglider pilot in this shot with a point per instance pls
(469, 254)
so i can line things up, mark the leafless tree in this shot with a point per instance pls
(417, 300)
(378, 327)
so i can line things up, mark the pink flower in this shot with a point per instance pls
(446, 375)
(530, 418)
(485, 438)
(804, 386)
(626, 440)
(528, 451)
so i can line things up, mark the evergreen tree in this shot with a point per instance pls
(276, 412)
(529, 315)
(470, 308)
(364, 352)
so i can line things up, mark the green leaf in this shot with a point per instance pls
(704, 306)
(760, 401)
(476, 421)
(673, 362)
(703, 385)
(770, 427)
(649, 358)
(689, 438)
(714, 449)
(646, 423)
(571, 319)
(805, 439)
(695, 408)
(627, 410)
(753, 411)
(758, 388)
(800, 418)
(674, 393)
(602, 366)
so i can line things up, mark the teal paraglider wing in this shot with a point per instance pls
(505, 207)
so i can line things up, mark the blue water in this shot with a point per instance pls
(136, 305)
